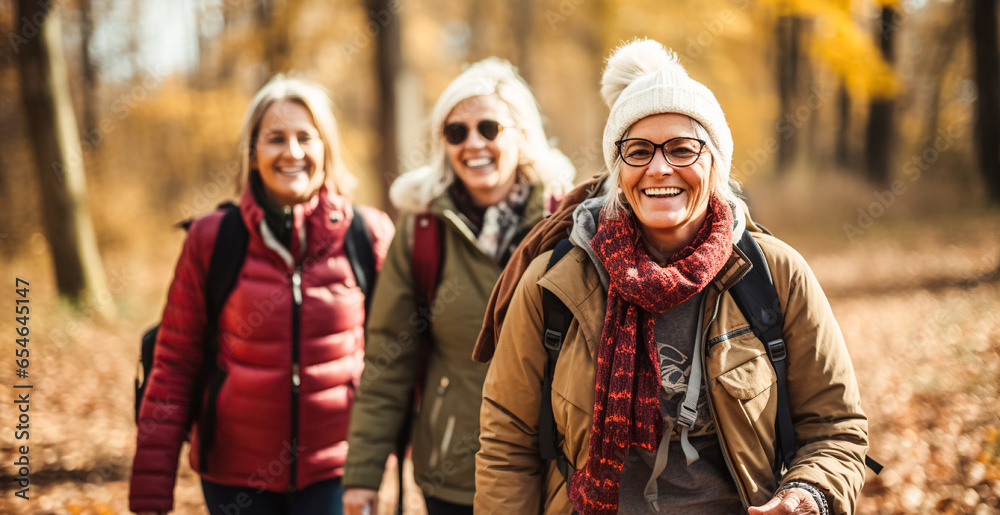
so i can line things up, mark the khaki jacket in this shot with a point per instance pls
(445, 434)
(831, 429)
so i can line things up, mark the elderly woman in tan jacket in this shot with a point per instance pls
(666, 399)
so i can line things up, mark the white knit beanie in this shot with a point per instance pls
(644, 78)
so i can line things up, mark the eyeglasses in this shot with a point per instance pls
(455, 133)
(678, 152)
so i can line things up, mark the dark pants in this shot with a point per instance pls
(323, 498)
(439, 507)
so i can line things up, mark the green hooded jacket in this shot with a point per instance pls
(445, 435)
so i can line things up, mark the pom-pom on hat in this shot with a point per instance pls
(644, 78)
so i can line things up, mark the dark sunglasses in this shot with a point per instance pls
(455, 133)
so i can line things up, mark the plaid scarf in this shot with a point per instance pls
(495, 226)
(627, 386)
(500, 223)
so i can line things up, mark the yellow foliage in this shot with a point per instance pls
(843, 46)
(216, 113)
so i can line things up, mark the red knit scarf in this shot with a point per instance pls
(627, 389)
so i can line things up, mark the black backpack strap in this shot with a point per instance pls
(358, 246)
(557, 318)
(228, 253)
(144, 367)
(758, 301)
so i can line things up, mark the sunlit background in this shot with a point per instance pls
(863, 133)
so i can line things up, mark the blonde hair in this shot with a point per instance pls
(539, 162)
(316, 100)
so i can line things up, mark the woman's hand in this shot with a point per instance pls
(357, 499)
(794, 501)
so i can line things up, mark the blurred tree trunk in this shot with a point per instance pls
(226, 69)
(809, 75)
(201, 78)
(275, 18)
(388, 63)
(878, 138)
(273, 50)
(133, 37)
(89, 70)
(6, 250)
(788, 31)
(523, 19)
(842, 152)
(984, 33)
(58, 157)
(943, 55)
(478, 20)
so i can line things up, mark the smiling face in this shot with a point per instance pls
(671, 203)
(289, 153)
(488, 169)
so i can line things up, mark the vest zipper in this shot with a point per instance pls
(296, 379)
(744, 499)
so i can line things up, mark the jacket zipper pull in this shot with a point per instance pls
(443, 386)
(297, 287)
(296, 380)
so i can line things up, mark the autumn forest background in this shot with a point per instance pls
(867, 136)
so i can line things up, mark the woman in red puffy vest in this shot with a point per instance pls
(291, 334)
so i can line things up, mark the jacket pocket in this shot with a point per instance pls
(438, 446)
(441, 450)
(746, 406)
(751, 383)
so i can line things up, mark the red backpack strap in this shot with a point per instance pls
(425, 263)
(552, 202)
(426, 257)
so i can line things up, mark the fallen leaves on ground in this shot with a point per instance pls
(919, 307)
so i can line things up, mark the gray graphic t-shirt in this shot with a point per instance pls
(674, 335)
(705, 487)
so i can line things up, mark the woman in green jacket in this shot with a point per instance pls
(492, 177)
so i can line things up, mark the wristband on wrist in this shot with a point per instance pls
(816, 495)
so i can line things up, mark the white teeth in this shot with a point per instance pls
(481, 161)
(662, 192)
(294, 169)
